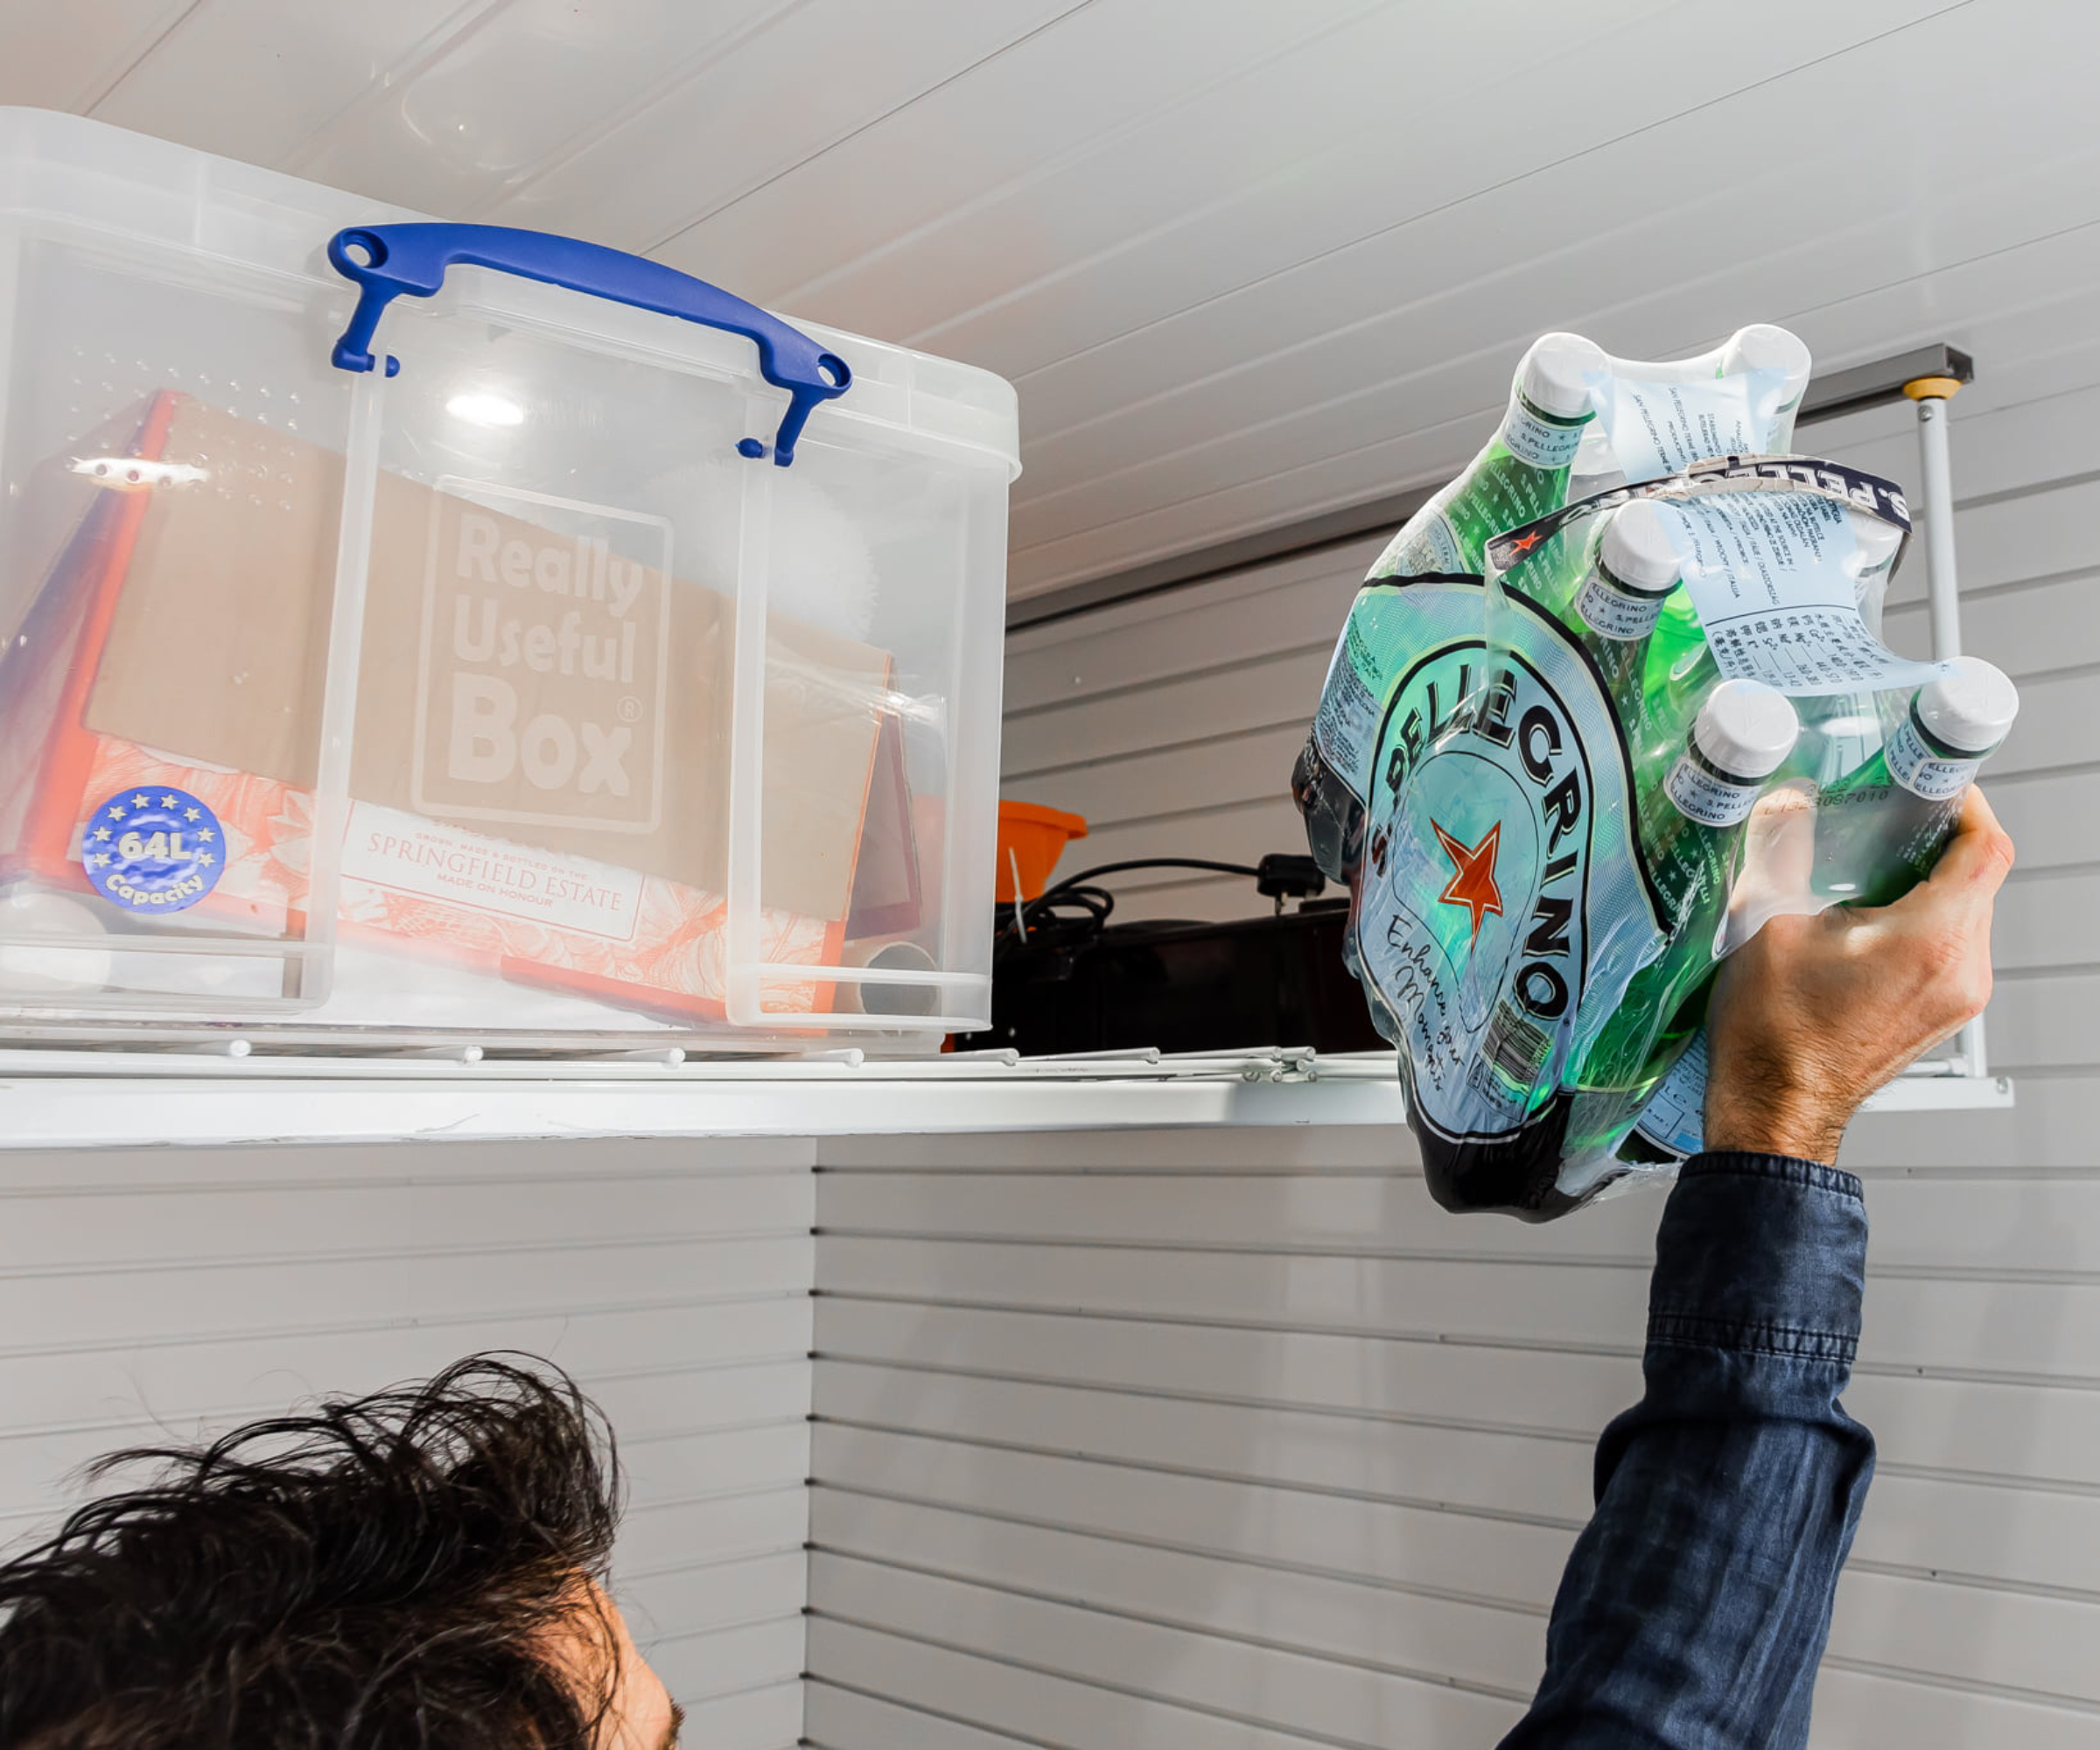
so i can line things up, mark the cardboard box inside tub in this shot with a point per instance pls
(539, 766)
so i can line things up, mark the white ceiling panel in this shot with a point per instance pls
(1247, 261)
(813, 76)
(518, 94)
(1744, 253)
(1345, 138)
(1493, 254)
(1870, 131)
(1111, 188)
(1969, 305)
(61, 57)
(256, 79)
(934, 164)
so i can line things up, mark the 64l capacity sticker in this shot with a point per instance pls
(153, 850)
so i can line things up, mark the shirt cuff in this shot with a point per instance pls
(1760, 1254)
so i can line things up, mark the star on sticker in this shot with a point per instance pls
(116, 813)
(204, 859)
(207, 835)
(1525, 545)
(100, 860)
(193, 814)
(167, 801)
(140, 801)
(1471, 884)
(101, 835)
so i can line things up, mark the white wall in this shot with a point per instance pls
(148, 1294)
(1122, 1441)
(1232, 1440)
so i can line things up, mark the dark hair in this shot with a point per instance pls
(384, 1573)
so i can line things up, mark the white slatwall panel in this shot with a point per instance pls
(1235, 1440)
(1232, 1439)
(149, 1295)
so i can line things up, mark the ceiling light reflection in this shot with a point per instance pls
(484, 407)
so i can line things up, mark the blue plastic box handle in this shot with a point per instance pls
(413, 258)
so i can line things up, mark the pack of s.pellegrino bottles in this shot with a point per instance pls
(1613, 697)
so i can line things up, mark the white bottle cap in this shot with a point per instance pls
(1971, 709)
(1555, 377)
(1745, 729)
(1763, 347)
(1636, 547)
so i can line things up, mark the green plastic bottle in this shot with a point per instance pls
(1522, 474)
(1976, 705)
(1690, 826)
(1678, 668)
(1671, 1127)
(1616, 605)
(1881, 827)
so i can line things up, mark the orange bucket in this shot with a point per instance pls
(1032, 838)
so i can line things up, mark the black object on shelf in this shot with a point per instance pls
(1075, 982)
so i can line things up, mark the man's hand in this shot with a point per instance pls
(1813, 1014)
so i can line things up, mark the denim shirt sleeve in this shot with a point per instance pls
(1694, 1610)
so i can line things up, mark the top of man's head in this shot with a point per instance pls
(382, 1573)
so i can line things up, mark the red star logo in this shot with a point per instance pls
(1472, 881)
(1524, 546)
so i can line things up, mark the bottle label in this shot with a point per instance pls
(1657, 428)
(1542, 443)
(1773, 575)
(1923, 773)
(1501, 907)
(1613, 612)
(1427, 544)
(1702, 796)
(1675, 1118)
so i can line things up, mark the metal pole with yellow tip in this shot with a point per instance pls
(1932, 394)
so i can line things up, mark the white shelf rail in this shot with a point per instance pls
(59, 1098)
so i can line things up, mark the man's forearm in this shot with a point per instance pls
(1695, 1607)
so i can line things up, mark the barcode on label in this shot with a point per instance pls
(1514, 1046)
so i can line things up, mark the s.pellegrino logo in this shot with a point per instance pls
(1500, 888)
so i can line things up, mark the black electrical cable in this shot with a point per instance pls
(1247, 870)
(1063, 890)
(1097, 902)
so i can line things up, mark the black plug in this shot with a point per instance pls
(1280, 876)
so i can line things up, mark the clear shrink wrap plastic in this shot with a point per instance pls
(1613, 697)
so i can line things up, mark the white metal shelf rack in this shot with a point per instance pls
(53, 1099)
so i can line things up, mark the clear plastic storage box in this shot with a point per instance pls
(415, 630)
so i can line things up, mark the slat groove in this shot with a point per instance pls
(438, 1321)
(1295, 1485)
(1206, 1631)
(1182, 1703)
(374, 1254)
(923, 1712)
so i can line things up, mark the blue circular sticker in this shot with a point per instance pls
(153, 850)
